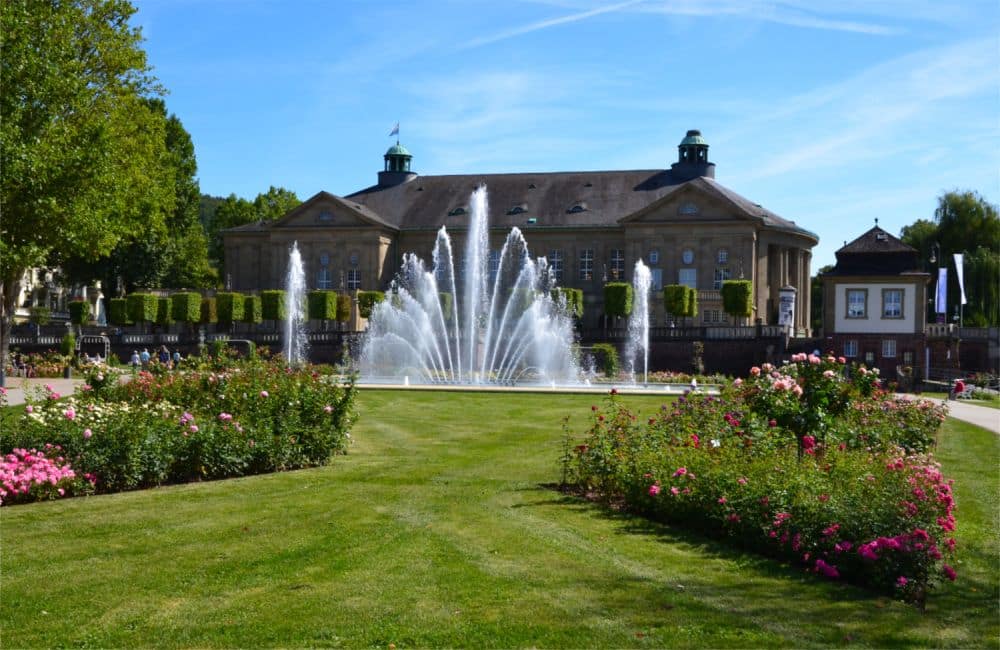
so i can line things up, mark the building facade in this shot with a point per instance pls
(592, 226)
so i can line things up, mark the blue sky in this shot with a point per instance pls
(831, 114)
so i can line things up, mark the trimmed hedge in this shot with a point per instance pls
(574, 299)
(272, 304)
(79, 312)
(618, 299)
(185, 307)
(343, 307)
(607, 359)
(229, 307)
(692, 302)
(447, 305)
(40, 315)
(322, 305)
(68, 345)
(737, 298)
(163, 314)
(208, 311)
(252, 312)
(367, 301)
(142, 307)
(675, 299)
(118, 312)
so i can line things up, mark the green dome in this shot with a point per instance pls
(693, 137)
(398, 150)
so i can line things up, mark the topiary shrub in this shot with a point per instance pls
(737, 298)
(68, 345)
(142, 307)
(272, 304)
(675, 299)
(79, 312)
(574, 299)
(618, 299)
(447, 305)
(322, 305)
(692, 302)
(185, 307)
(229, 307)
(208, 311)
(367, 301)
(164, 316)
(606, 358)
(118, 312)
(252, 311)
(343, 307)
(40, 315)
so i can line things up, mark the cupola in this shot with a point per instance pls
(397, 166)
(692, 157)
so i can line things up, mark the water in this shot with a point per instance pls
(296, 348)
(482, 323)
(638, 323)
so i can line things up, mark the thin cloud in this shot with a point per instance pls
(545, 24)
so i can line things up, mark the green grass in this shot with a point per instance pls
(436, 530)
(993, 402)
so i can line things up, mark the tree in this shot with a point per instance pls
(235, 211)
(81, 149)
(816, 299)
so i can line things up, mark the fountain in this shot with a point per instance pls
(294, 334)
(505, 329)
(638, 322)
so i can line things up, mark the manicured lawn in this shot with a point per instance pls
(437, 530)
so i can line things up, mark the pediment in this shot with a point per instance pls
(690, 202)
(325, 210)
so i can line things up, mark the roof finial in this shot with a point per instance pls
(876, 222)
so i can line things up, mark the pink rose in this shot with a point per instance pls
(87, 433)
(263, 393)
(654, 490)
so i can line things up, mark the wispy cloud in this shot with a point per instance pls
(545, 24)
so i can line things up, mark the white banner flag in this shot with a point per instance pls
(941, 303)
(961, 276)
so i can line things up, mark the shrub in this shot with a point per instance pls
(737, 298)
(118, 312)
(164, 316)
(40, 315)
(229, 307)
(343, 307)
(208, 311)
(252, 311)
(617, 299)
(68, 345)
(367, 301)
(322, 305)
(142, 307)
(606, 358)
(676, 299)
(79, 312)
(272, 303)
(692, 303)
(574, 299)
(447, 302)
(186, 307)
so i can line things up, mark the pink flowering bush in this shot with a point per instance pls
(848, 503)
(32, 475)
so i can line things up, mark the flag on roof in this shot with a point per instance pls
(395, 130)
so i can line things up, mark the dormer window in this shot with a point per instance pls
(520, 208)
(578, 207)
(687, 209)
(325, 215)
(454, 212)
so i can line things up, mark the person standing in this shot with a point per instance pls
(144, 358)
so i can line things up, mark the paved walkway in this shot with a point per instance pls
(16, 387)
(981, 416)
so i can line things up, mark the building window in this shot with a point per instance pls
(324, 279)
(908, 358)
(688, 277)
(870, 358)
(723, 256)
(353, 279)
(494, 266)
(654, 256)
(656, 279)
(721, 275)
(889, 348)
(712, 316)
(617, 264)
(587, 264)
(857, 303)
(851, 348)
(892, 303)
(556, 265)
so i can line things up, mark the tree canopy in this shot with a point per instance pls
(234, 211)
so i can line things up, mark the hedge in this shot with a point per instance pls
(79, 312)
(229, 307)
(208, 311)
(118, 312)
(272, 304)
(322, 305)
(367, 301)
(692, 302)
(40, 315)
(185, 307)
(252, 312)
(618, 299)
(606, 358)
(163, 312)
(142, 307)
(574, 299)
(447, 304)
(737, 298)
(68, 345)
(675, 299)
(343, 307)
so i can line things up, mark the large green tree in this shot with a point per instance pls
(81, 149)
(235, 211)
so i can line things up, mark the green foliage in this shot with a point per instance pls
(235, 211)
(574, 299)
(209, 311)
(343, 307)
(272, 303)
(79, 312)
(118, 312)
(607, 359)
(217, 348)
(164, 316)
(252, 312)
(186, 307)
(322, 305)
(692, 302)
(816, 300)
(367, 301)
(617, 299)
(676, 299)
(142, 307)
(447, 301)
(68, 345)
(40, 315)
(229, 307)
(737, 298)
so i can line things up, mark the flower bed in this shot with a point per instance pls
(252, 417)
(798, 462)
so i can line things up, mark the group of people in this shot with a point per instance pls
(163, 356)
(22, 366)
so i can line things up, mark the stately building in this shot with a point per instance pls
(592, 226)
